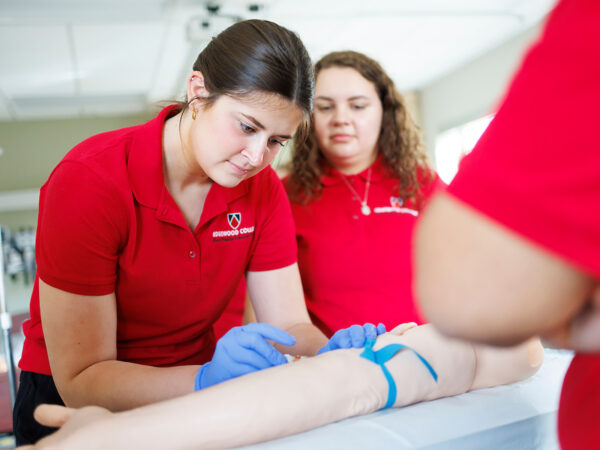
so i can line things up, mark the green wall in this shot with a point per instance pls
(32, 148)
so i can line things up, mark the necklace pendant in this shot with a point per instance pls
(365, 209)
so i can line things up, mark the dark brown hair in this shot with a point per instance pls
(255, 56)
(399, 144)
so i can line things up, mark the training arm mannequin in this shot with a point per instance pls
(298, 396)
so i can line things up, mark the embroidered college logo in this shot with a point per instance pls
(396, 202)
(234, 219)
(396, 208)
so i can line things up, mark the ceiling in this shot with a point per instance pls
(76, 58)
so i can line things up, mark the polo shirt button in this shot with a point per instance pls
(355, 217)
(164, 211)
(192, 254)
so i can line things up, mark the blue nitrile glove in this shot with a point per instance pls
(243, 350)
(353, 337)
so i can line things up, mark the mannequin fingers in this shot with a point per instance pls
(53, 415)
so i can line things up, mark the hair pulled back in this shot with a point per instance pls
(257, 56)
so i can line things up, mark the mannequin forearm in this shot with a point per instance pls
(260, 406)
(302, 395)
(309, 393)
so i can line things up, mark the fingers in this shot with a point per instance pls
(357, 336)
(403, 328)
(243, 350)
(353, 336)
(52, 415)
(248, 346)
(360, 334)
(271, 332)
(259, 353)
(327, 347)
(370, 331)
(341, 339)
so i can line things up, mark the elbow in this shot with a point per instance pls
(68, 392)
(76, 389)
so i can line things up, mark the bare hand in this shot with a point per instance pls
(71, 422)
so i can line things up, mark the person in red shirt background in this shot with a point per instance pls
(512, 249)
(145, 232)
(356, 187)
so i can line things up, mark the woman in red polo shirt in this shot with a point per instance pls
(356, 187)
(145, 232)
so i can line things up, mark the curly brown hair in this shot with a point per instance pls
(400, 142)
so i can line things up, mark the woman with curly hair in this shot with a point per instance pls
(356, 186)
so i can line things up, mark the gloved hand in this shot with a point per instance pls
(243, 350)
(353, 337)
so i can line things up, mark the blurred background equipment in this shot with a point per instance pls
(8, 364)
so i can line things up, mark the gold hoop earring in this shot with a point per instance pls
(194, 114)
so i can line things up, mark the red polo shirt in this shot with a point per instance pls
(107, 224)
(536, 170)
(357, 268)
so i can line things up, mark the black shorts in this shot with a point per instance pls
(34, 389)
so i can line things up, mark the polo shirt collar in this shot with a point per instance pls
(145, 162)
(218, 199)
(332, 176)
(145, 169)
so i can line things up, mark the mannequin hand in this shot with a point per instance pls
(399, 330)
(353, 337)
(243, 350)
(79, 428)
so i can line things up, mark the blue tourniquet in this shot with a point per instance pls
(383, 355)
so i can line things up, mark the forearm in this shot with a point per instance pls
(278, 299)
(298, 396)
(260, 406)
(119, 385)
(309, 339)
(489, 284)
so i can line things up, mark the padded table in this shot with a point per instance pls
(517, 416)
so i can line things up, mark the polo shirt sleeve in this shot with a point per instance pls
(276, 234)
(79, 231)
(536, 169)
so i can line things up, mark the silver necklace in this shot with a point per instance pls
(364, 208)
